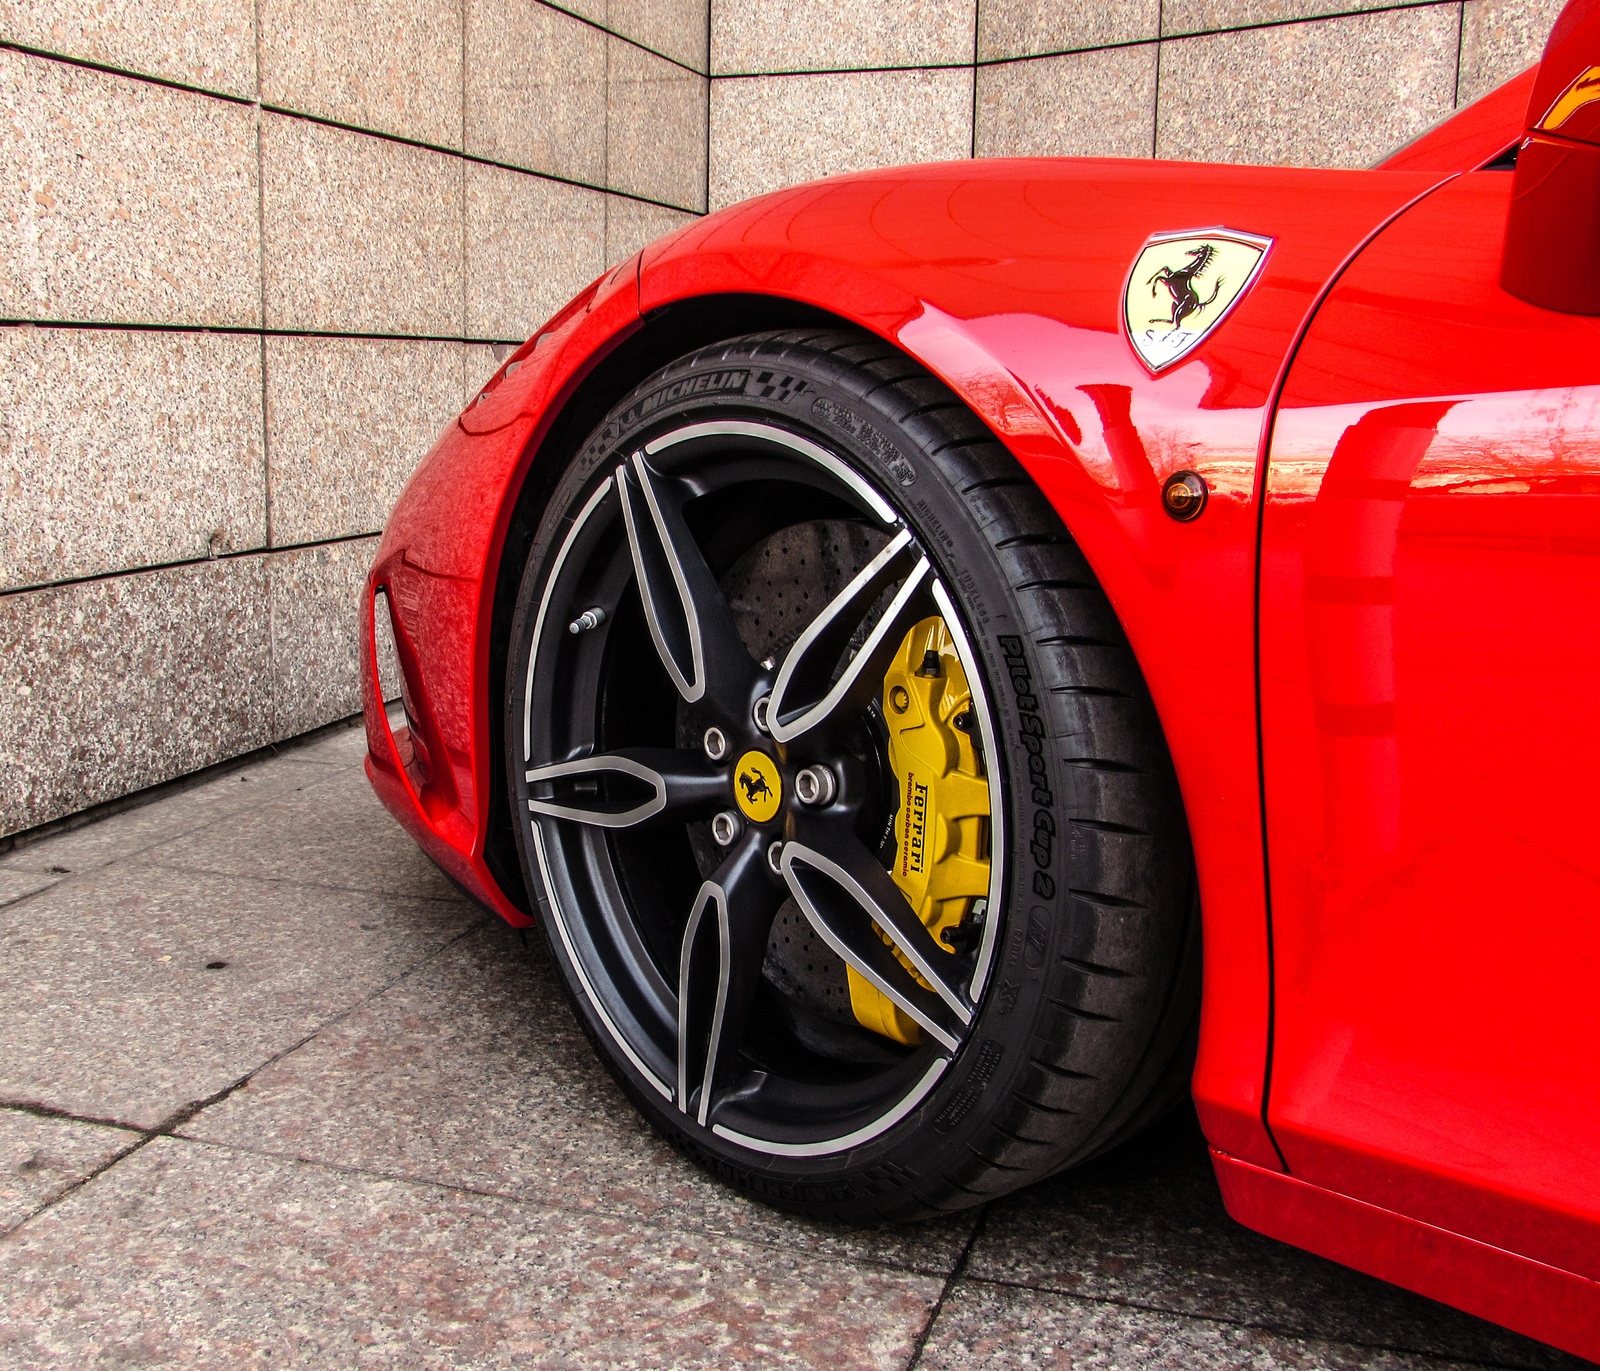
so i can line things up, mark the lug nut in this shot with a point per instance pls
(759, 713)
(816, 786)
(775, 857)
(726, 828)
(716, 744)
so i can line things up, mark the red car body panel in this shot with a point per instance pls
(1006, 280)
(1430, 638)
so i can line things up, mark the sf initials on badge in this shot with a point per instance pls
(1182, 285)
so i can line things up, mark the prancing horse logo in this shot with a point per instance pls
(1180, 285)
(1205, 273)
(760, 789)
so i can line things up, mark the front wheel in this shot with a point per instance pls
(839, 791)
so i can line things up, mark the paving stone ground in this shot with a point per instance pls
(273, 1094)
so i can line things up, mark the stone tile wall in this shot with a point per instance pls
(254, 254)
(801, 88)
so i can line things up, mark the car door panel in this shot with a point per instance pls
(1430, 651)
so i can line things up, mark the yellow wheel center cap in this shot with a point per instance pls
(757, 786)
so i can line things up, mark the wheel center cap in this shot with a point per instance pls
(758, 787)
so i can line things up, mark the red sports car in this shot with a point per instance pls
(954, 658)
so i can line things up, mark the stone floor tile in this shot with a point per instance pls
(997, 1329)
(209, 1257)
(1145, 1225)
(40, 1158)
(473, 1072)
(15, 884)
(334, 833)
(132, 831)
(113, 1010)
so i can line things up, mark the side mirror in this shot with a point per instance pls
(1552, 250)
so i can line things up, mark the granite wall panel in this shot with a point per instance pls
(1203, 16)
(1498, 39)
(316, 633)
(361, 234)
(655, 127)
(111, 685)
(125, 449)
(207, 43)
(123, 201)
(1086, 104)
(674, 28)
(531, 246)
(395, 67)
(348, 419)
(536, 89)
(768, 132)
(1024, 28)
(757, 36)
(1334, 93)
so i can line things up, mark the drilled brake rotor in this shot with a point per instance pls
(934, 838)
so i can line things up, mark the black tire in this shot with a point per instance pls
(1082, 1027)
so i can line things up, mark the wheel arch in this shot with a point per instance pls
(1117, 530)
(979, 379)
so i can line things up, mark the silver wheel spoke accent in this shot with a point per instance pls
(719, 969)
(626, 788)
(849, 905)
(805, 693)
(689, 620)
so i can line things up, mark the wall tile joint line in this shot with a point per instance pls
(287, 113)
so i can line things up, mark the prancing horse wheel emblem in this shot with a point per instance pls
(1182, 285)
(759, 788)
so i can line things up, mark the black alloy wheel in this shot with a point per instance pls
(777, 754)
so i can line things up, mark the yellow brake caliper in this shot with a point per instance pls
(941, 859)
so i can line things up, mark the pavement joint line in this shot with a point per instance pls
(185, 1113)
(451, 899)
(32, 894)
(1279, 1330)
(39, 1110)
(956, 1273)
(555, 1207)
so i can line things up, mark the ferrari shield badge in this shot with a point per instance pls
(1182, 286)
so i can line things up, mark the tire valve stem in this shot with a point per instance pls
(963, 937)
(590, 618)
